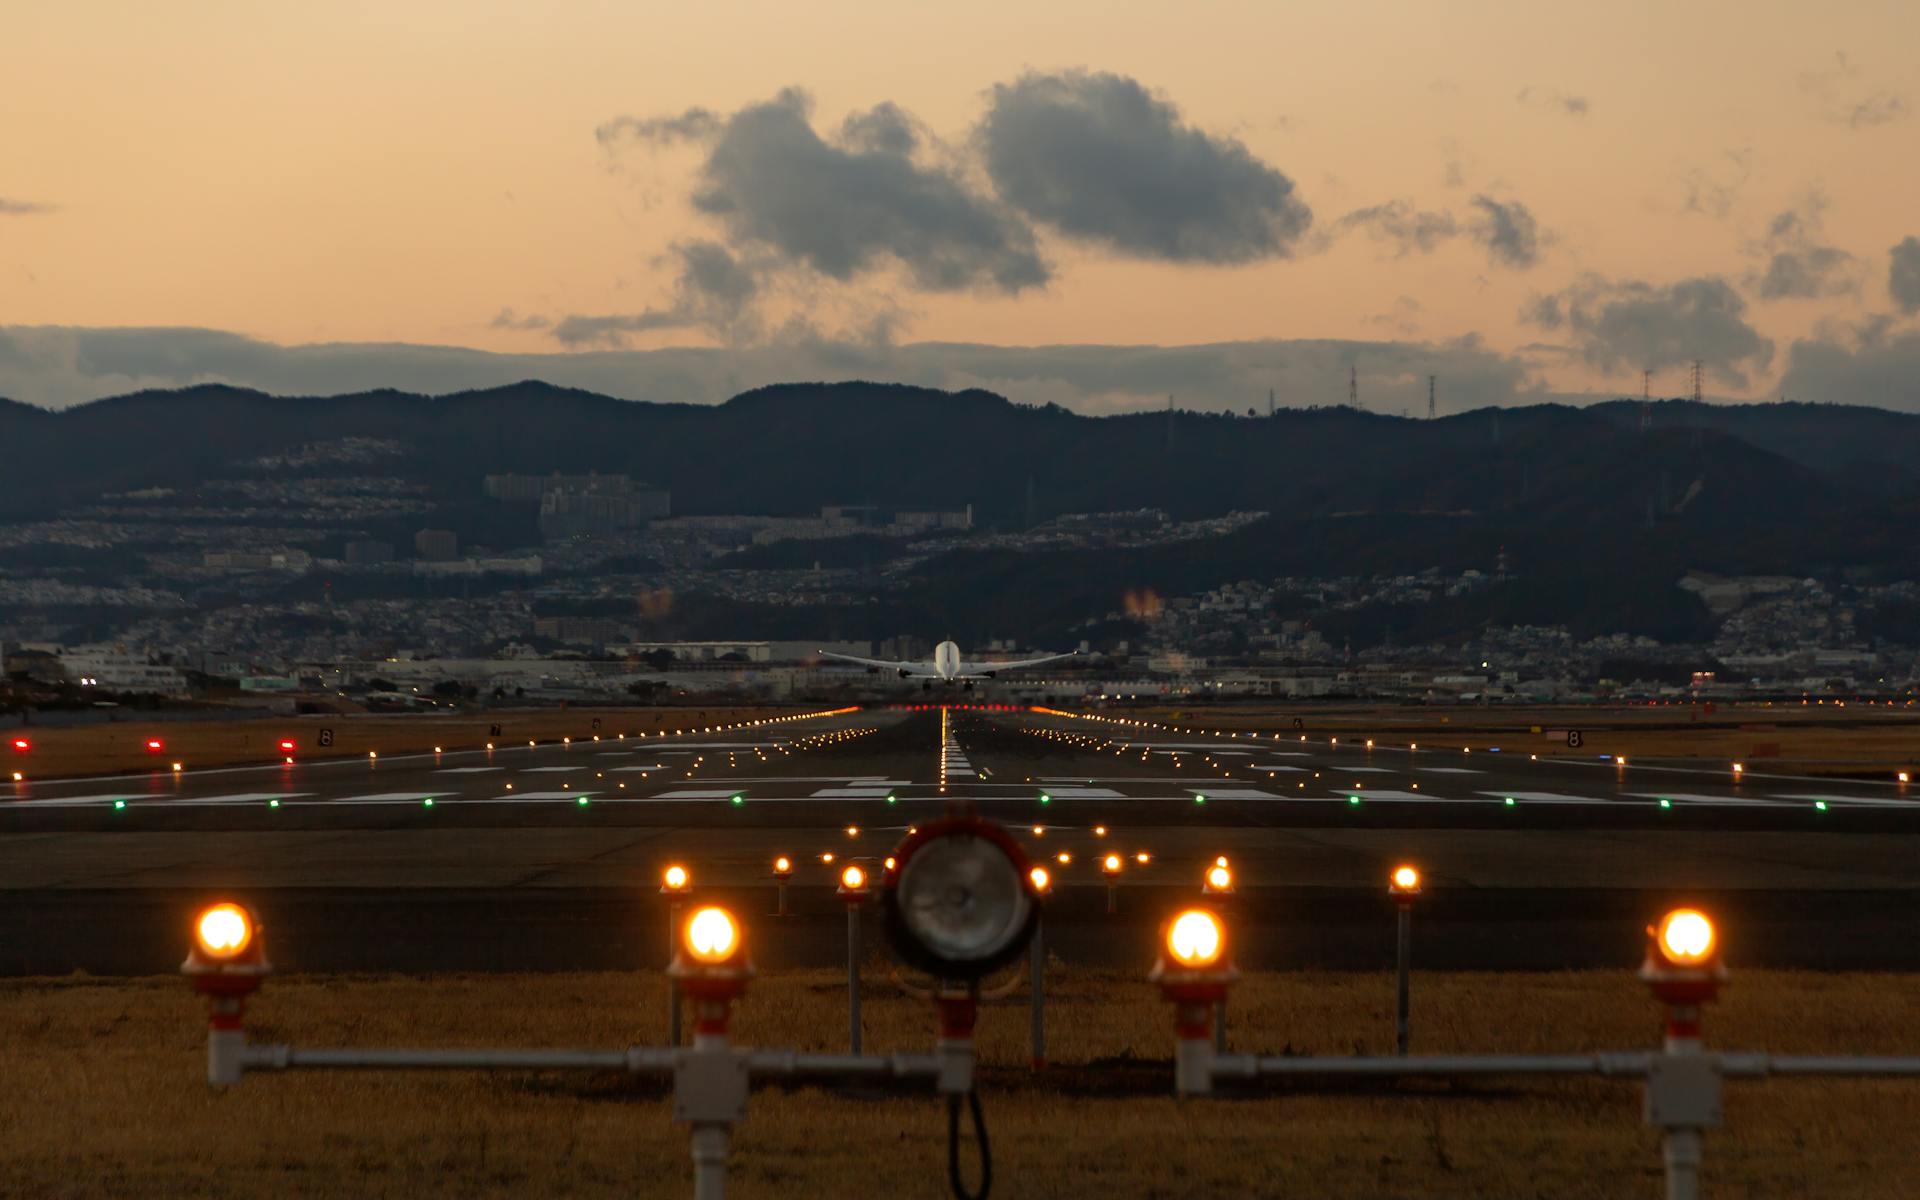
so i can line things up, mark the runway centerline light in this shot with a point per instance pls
(1686, 937)
(223, 931)
(1195, 939)
(711, 935)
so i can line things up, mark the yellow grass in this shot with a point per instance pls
(1857, 738)
(105, 1096)
(122, 745)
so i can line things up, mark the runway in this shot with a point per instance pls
(547, 856)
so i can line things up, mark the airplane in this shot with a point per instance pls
(947, 666)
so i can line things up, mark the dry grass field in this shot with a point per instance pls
(106, 1096)
(1866, 740)
(121, 746)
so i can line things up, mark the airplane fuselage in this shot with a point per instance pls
(946, 660)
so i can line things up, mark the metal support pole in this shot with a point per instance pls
(1220, 1025)
(1113, 899)
(710, 1161)
(781, 891)
(1404, 957)
(853, 978)
(1682, 1154)
(673, 986)
(1037, 958)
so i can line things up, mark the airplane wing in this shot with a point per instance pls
(905, 669)
(986, 670)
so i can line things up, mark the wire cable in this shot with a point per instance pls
(953, 1148)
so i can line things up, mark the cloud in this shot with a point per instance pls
(506, 318)
(1507, 230)
(1903, 274)
(1713, 189)
(1639, 325)
(1798, 265)
(61, 366)
(1100, 158)
(1873, 369)
(692, 125)
(22, 208)
(1554, 101)
(1398, 223)
(1838, 97)
(1403, 318)
(846, 207)
(713, 291)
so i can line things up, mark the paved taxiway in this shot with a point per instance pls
(1542, 863)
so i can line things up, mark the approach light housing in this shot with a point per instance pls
(960, 900)
(1405, 881)
(1683, 966)
(228, 956)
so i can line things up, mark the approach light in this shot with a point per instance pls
(179, 767)
(1685, 937)
(1042, 882)
(223, 932)
(1063, 858)
(853, 831)
(1110, 865)
(1219, 879)
(675, 879)
(1195, 939)
(1405, 881)
(710, 935)
(960, 902)
(853, 880)
(1099, 831)
(782, 867)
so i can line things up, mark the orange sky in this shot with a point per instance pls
(401, 172)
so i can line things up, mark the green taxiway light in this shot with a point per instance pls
(1510, 802)
(892, 799)
(739, 798)
(1665, 803)
(1199, 797)
(1353, 799)
(119, 804)
(582, 802)
(1821, 805)
(1045, 799)
(427, 802)
(273, 803)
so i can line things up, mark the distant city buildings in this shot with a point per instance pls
(436, 545)
(582, 505)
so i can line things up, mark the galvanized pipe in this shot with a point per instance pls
(1403, 956)
(853, 978)
(1247, 1066)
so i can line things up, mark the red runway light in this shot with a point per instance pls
(154, 745)
(22, 745)
(286, 744)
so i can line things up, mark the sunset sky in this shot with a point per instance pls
(1530, 201)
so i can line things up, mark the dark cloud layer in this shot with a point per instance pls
(59, 366)
(1554, 101)
(1903, 274)
(1102, 159)
(1615, 324)
(1874, 369)
(22, 208)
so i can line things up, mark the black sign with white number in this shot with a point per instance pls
(596, 722)
(326, 737)
(1574, 739)
(1299, 723)
(493, 731)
